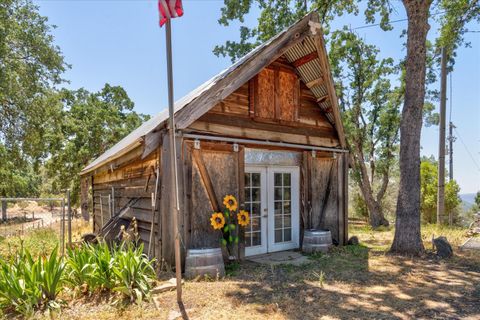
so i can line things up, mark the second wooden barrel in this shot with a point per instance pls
(316, 241)
(201, 262)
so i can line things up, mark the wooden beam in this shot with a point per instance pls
(206, 180)
(244, 124)
(152, 141)
(237, 132)
(282, 67)
(305, 59)
(314, 83)
(322, 99)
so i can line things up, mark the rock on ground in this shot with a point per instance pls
(444, 249)
(353, 241)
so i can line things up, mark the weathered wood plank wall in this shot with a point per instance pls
(275, 105)
(135, 180)
(323, 194)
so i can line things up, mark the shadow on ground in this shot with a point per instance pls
(354, 282)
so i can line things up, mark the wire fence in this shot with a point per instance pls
(21, 220)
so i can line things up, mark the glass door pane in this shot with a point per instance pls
(253, 204)
(282, 206)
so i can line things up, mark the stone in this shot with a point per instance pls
(444, 249)
(353, 241)
(165, 286)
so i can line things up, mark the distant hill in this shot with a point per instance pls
(468, 200)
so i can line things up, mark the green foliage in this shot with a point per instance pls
(27, 283)
(429, 191)
(87, 125)
(477, 199)
(123, 268)
(134, 272)
(38, 124)
(80, 267)
(277, 15)
(370, 112)
(103, 260)
(31, 65)
(359, 206)
(453, 24)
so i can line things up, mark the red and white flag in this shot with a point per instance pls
(169, 9)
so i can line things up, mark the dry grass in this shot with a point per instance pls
(41, 241)
(353, 282)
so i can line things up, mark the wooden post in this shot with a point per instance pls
(101, 209)
(69, 217)
(84, 198)
(62, 230)
(4, 211)
(174, 201)
(112, 212)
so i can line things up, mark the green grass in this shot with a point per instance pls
(38, 242)
(380, 239)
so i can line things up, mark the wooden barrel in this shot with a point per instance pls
(316, 241)
(201, 262)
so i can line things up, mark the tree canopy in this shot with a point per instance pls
(48, 134)
(88, 124)
(429, 192)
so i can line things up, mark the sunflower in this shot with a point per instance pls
(243, 218)
(230, 202)
(217, 220)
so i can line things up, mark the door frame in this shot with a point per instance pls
(295, 208)
(267, 208)
(263, 248)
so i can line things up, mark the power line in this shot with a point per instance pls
(466, 148)
(399, 20)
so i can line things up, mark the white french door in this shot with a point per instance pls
(272, 198)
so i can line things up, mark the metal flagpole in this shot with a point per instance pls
(174, 201)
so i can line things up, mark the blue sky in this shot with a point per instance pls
(119, 42)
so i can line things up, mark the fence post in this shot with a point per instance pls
(69, 217)
(4, 211)
(62, 228)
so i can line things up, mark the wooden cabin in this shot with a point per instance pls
(267, 130)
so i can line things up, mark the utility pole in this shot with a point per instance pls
(451, 139)
(441, 144)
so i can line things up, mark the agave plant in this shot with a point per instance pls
(134, 272)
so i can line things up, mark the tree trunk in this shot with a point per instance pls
(374, 206)
(407, 238)
(375, 211)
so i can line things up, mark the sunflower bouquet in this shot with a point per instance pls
(229, 221)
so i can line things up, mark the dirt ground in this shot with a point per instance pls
(354, 282)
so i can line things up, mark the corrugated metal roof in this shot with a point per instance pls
(308, 72)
